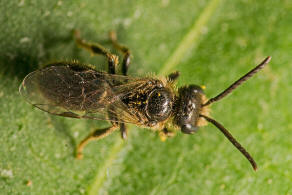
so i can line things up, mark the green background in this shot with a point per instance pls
(210, 42)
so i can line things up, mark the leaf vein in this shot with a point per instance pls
(189, 40)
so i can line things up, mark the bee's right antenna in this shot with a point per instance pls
(232, 140)
(238, 82)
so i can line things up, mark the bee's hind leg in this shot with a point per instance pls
(125, 51)
(95, 135)
(98, 49)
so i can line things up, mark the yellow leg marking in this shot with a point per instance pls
(164, 134)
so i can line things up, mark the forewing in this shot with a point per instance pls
(80, 93)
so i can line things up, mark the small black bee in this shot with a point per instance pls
(71, 89)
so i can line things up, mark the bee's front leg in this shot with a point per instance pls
(165, 133)
(172, 77)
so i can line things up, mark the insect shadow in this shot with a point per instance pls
(20, 61)
(62, 129)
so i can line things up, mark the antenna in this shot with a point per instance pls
(232, 140)
(238, 82)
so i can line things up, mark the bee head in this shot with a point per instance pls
(189, 108)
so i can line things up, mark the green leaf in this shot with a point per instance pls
(211, 43)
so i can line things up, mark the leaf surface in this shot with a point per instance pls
(211, 43)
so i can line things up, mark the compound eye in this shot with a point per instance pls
(189, 129)
(159, 104)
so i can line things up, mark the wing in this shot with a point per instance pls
(81, 92)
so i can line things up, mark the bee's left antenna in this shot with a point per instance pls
(238, 82)
(232, 140)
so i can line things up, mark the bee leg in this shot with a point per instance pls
(123, 130)
(95, 135)
(165, 133)
(125, 51)
(172, 77)
(98, 49)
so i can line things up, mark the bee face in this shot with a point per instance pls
(189, 105)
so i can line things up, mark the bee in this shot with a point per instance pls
(71, 89)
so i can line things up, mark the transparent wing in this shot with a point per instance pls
(81, 92)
